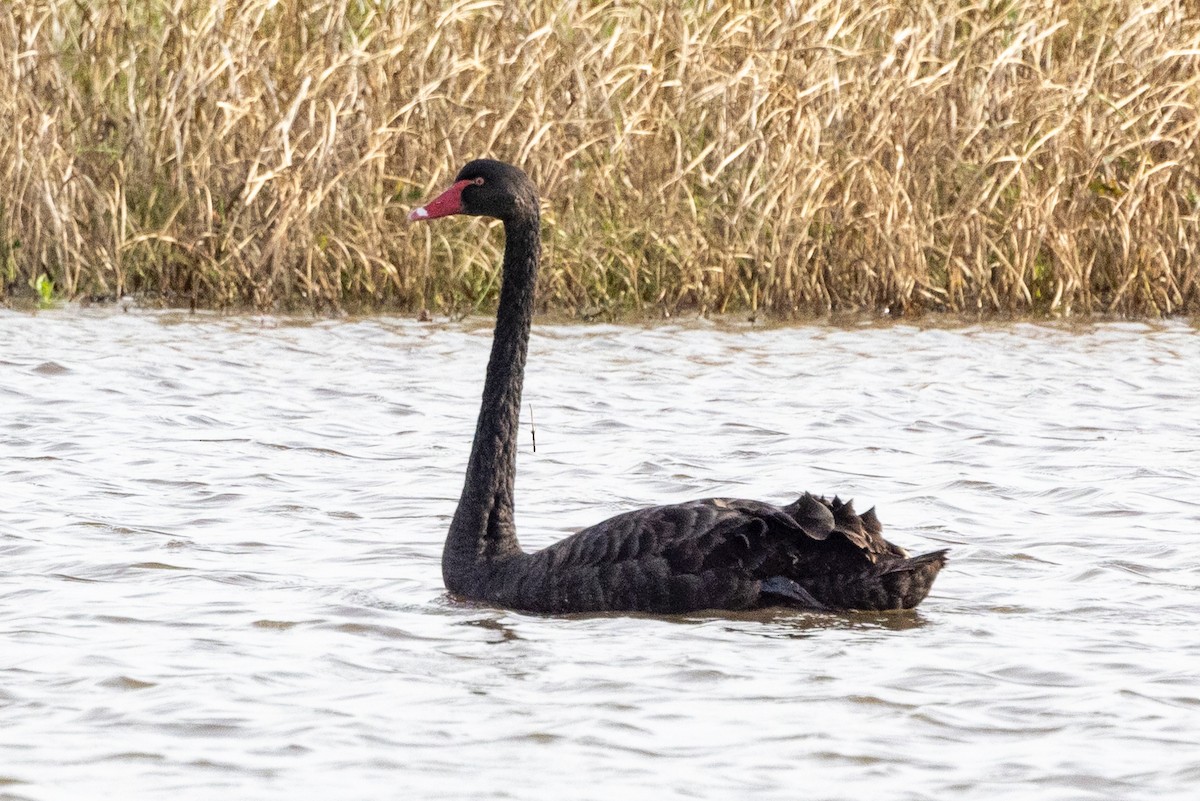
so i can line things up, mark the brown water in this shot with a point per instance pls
(220, 542)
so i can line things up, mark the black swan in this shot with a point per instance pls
(718, 553)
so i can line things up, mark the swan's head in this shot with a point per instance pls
(484, 188)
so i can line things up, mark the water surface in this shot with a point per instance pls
(220, 543)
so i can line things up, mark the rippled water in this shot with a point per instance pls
(220, 542)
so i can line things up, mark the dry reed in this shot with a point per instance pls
(1009, 156)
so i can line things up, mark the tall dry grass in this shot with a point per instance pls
(1007, 156)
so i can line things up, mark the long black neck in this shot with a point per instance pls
(483, 532)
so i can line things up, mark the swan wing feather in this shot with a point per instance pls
(711, 553)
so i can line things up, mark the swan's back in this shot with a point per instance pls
(718, 554)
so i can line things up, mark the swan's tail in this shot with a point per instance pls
(907, 583)
(892, 580)
(893, 584)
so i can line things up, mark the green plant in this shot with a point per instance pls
(43, 285)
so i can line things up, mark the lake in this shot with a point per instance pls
(220, 541)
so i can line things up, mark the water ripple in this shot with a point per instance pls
(220, 541)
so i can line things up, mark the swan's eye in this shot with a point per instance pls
(478, 182)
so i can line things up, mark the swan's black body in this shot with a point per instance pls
(709, 554)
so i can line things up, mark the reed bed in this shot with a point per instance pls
(1010, 157)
